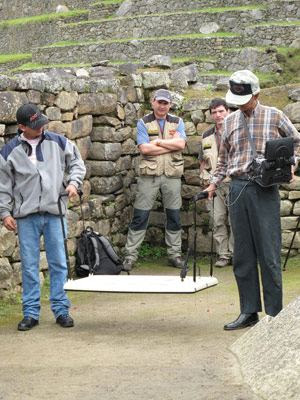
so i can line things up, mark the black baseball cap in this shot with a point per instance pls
(30, 115)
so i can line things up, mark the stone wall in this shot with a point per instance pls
(174, 24)
(144, 7)
(22, 38)
(98, 108)
(11, 9)
(134, 49)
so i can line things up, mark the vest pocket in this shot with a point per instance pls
(174, 166)
(148, 167)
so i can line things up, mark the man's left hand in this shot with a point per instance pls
(72, 191)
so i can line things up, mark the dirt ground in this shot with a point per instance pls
(129, 347)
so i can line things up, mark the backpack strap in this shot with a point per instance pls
(94, 239)
(109, 250)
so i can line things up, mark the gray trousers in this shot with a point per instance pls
(220, 216)
(147, 191)
(255, 220)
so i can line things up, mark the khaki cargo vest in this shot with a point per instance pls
(170, 164)
(210, 155)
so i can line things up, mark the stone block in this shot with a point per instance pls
(97, 103)
(102, 168)
(9, 103)
(8, 241)
(105, 151)
(84, 146)
(66, 101)
(80, 127)
(106, 185)
(269, 355)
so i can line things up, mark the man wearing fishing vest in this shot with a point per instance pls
(160, 140)
(208, 157)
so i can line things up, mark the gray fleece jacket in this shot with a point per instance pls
(26, 188)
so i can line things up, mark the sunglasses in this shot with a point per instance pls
(240, 89)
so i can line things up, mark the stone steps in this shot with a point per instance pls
(27, 8)
(233, 19)
(128, 50)
(145, 7)
(22, 37)
(159, 25)
(102, 10)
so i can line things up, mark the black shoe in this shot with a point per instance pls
(176, 262)
(27, 323)
(243, 321)
(65, 321)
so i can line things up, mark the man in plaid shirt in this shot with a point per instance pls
(254, 210)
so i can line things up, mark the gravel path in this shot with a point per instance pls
(129, 347)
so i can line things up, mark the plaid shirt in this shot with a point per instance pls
(235, 154)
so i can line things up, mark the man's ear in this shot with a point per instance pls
(22, 127)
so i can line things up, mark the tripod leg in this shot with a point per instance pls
(291, 244)
(195, 243)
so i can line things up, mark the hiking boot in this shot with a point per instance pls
(128, 264)
(176, 262)
(65, 321)
(222, 262)
(27, 323)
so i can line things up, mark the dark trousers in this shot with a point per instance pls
(255, 221)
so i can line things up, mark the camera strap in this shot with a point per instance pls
(254, 152)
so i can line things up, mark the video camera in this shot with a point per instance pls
(275, 168)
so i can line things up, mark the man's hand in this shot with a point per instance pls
(10, 223)
(211, 191)
(72, 191)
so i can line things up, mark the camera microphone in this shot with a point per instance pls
(200, 196)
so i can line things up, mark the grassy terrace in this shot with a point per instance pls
(107, 2)
(211, 10)
(7, 58)
(42, 18)
(155, 38)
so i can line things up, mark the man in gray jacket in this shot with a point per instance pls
(35, 168)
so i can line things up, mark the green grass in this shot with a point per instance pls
(208, 10)
(107, 2)
(7, 58)
(174, 37)
(42, 18)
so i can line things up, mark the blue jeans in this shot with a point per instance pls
(30, 229)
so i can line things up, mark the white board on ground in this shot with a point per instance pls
(140, 284)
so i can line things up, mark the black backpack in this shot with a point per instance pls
(95, 255)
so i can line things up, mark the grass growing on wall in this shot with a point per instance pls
(107, 2)
(7, 58)
(42, 18)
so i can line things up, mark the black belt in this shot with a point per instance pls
(244, 177)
